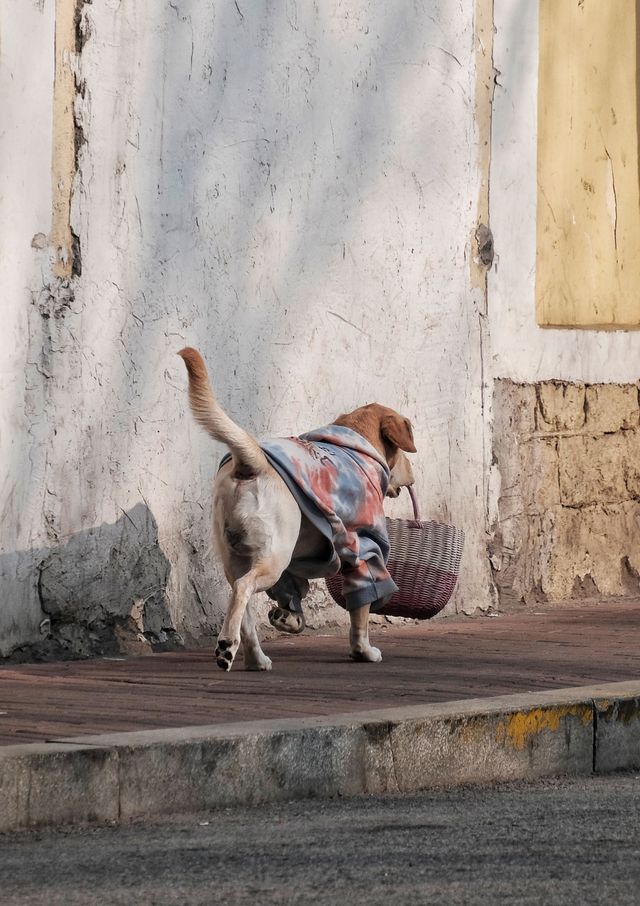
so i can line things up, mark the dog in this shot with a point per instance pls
(272, 537)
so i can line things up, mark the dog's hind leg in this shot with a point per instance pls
(285, 621)
(261, 576)
(253, 655)
(256, 526)
(288, 593)
(361, 649)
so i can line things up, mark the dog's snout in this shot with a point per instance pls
(401, 476)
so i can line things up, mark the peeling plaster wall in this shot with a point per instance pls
(563, 510)
(521, 350)
(293, 189)
(26, 98)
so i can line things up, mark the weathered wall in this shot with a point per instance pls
(26, 82)
(521, 350)
(569, 501)
(563, 492)
(293, 189)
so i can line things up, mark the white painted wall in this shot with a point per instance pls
(291, 188)
(521, 350)
(26, 82)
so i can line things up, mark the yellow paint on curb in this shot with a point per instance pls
(523, 726)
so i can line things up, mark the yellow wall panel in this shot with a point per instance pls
(588, 220)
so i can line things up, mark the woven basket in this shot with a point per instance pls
(424, 562)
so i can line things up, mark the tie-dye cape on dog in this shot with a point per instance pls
(339, 481)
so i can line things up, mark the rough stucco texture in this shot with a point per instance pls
(520, 349)
(292, 189)
(567, 456)
(26, 82)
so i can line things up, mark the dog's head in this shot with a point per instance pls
(391, 434)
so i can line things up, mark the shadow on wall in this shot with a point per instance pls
(102, 591)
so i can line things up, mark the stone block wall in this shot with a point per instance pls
(566, 458)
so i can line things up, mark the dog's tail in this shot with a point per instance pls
(248, 458)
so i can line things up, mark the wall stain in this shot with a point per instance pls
(521, 728)
(626, 711)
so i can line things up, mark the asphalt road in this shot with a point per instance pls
(558, 842)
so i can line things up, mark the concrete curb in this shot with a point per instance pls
(126, 776)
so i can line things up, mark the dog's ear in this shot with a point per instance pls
(399, 431)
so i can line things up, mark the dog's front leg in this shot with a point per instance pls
(361, 649)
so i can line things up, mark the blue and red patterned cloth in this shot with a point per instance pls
(339, 480)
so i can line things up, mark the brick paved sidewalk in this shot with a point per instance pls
(446, 660)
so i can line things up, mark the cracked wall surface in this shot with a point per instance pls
(336, 204)
(567, 458)
(562, 487)
(292, 189)
(26, 89)
(521, 350)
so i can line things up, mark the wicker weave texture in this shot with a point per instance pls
(424, 563)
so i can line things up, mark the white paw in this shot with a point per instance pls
(370, 654)
(262, 662)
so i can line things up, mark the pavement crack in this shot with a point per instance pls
(390, 729)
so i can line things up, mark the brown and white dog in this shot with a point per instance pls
(258, 526)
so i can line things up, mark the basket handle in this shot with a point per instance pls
(414, 500)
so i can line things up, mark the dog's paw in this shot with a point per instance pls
(259, 663)
(285, 621)
(225, 653)
(371, 655)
